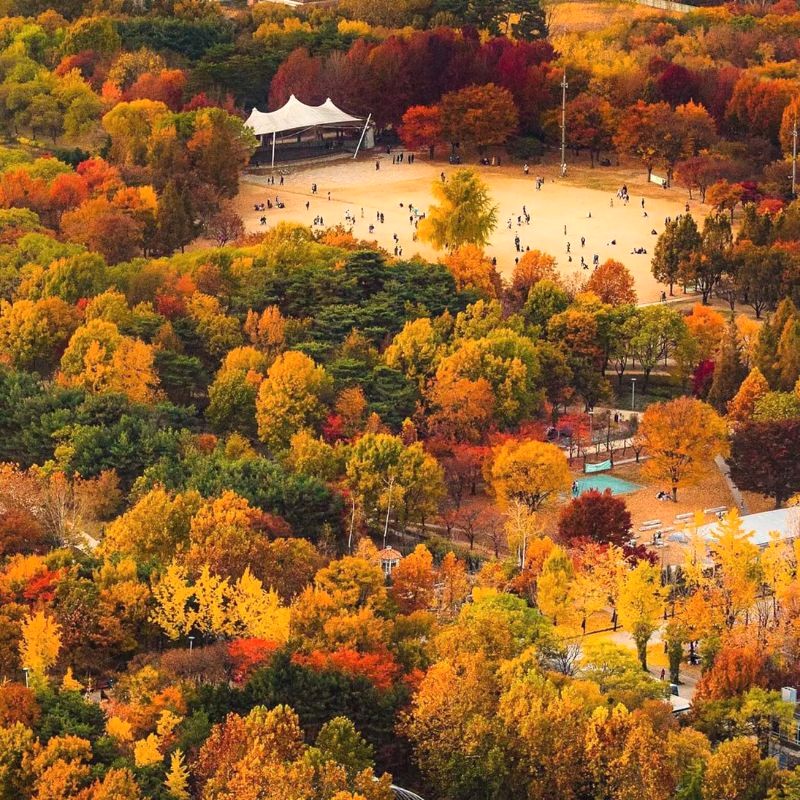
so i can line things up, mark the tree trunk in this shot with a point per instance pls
(641, 649)
(675, 653)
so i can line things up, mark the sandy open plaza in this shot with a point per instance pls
(585, 203)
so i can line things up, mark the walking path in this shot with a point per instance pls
(725, 470)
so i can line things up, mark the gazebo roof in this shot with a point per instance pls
(390, 554)
(295, 115)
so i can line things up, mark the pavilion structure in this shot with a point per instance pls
(297, 130)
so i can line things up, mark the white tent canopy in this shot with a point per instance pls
(295, 115)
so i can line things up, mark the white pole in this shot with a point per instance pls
(352, 525)
(273, 149)
(794, 158)
(564, 85)
(361, 138)
(388, 511)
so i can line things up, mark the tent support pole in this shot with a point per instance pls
(273, 149)
(361, 138)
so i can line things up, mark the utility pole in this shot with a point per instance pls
(564, 85)
(794, 157)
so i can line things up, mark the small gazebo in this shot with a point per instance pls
(390, 558)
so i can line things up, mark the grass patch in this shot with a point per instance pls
(661, 387)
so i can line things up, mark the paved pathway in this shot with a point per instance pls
(725, 470)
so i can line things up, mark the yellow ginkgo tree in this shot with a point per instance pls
(41, 642)
(640, 605)
(255, 611)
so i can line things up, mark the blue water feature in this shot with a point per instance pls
(603, 482)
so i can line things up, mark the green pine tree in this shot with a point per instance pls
(766, 353)
(173, 225)
(788, 365)
(674, 248)
(729, 371)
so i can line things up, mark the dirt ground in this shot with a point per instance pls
(610, 231)
(576, 16)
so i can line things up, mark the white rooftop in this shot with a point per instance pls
(785, 521)
(295, 114)
(679, 704)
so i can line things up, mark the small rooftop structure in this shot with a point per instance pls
(390, 558)
(403, 794)
(680, 705)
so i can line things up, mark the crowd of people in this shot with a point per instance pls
(519, 223)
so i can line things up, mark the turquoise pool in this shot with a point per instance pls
(602, 482)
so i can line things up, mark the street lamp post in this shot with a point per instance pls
(633, 394)
(26, 671)
(191, 643)
(591, 427)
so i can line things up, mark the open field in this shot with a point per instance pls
(610, 231)
(582, 17)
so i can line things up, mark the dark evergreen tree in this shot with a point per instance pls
(729, 371)
(173, 225)
(675, 246)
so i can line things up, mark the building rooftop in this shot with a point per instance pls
(785, 521)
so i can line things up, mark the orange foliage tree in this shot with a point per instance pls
(681, 438)
(533, 267)
(473, 270)
(612, 282)
(421, 127)
(413, 580)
